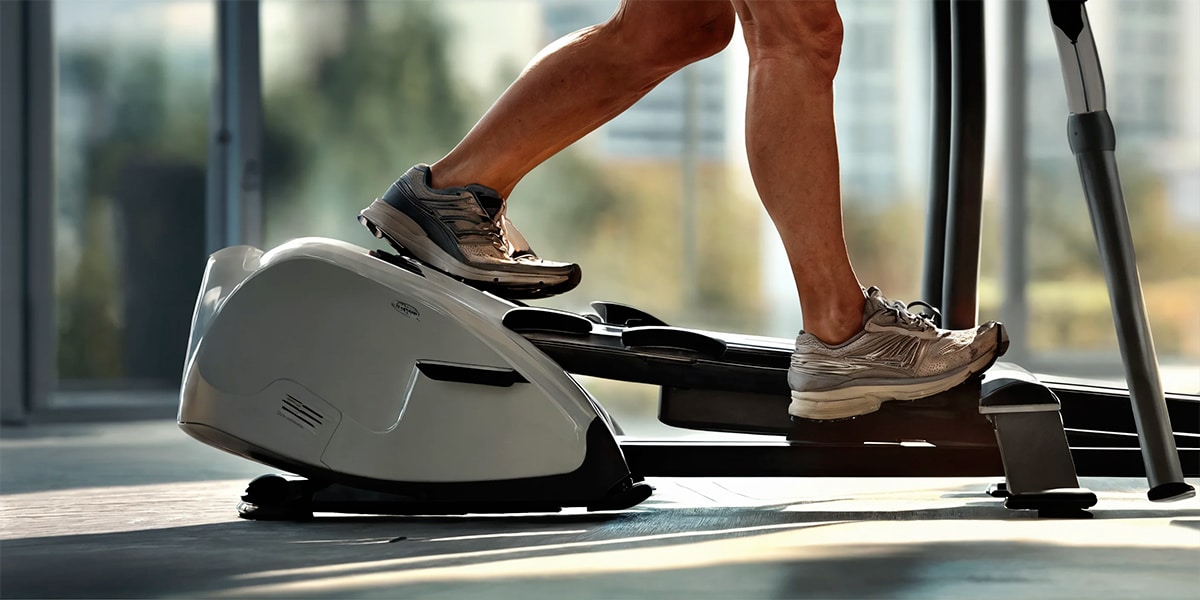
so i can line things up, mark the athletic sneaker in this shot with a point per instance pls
(897, 356)
(463, 231)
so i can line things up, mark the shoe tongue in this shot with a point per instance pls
(875, 306)
(873, 300)
(488, 199)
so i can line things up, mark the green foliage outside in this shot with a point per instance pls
(1068, 297)
(365, 112)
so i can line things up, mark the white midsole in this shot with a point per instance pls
(854, 401)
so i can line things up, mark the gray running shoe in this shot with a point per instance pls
(463, 231)
(897, 356)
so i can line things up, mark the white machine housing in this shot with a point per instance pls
(324, 360)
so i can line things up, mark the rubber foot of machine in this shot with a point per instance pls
(632, 495)
(1054, 504)
(281, 498)
(1049, 504)
(277, 498)
(1171, 492)
(998, 490)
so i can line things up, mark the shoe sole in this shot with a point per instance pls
(406, 237)
(850, 402)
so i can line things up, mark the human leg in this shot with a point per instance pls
(858, 348)
(794, 48)
(451, 214)
(580, 82)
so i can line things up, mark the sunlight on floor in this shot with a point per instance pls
(773, 544)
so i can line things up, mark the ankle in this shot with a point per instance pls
(833, 333)
(442, 177)
(837, 322)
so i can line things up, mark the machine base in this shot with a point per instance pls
(282, 498)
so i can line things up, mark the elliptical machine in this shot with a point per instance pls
(462, 401)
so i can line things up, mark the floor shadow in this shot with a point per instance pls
(457, 558)
(208, 558)
(1187, 523)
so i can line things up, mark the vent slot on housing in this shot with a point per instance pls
(301, 412)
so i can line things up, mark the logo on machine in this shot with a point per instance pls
(407, 309)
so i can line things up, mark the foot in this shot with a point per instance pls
(897, 356)
(463, 231)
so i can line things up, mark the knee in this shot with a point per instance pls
(690, 40)
(810, 31)
(666, 36)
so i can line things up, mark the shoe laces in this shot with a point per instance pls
(900, 312)
(493, 228)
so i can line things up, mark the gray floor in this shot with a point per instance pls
(140, 510)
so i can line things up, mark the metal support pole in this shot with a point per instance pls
(965, 213)
(932, 287)
(1014, 310)
(234, 206)
(1093, 141)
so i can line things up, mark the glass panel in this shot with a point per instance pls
(1149, 55)
(134, 81)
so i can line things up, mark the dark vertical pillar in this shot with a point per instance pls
(160, 207)
(39, 259)
(13, 330)
(965, 212)
(27, 356)
(939, 173)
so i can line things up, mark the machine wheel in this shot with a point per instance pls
(277, 498)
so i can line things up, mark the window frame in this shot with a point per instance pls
(27, 317)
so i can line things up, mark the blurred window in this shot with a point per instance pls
(133, 91)
(1152, 99)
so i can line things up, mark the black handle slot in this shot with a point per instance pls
(536, 318)
(674, 339)
(476, 374)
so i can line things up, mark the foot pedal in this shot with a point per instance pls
(407, 263)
